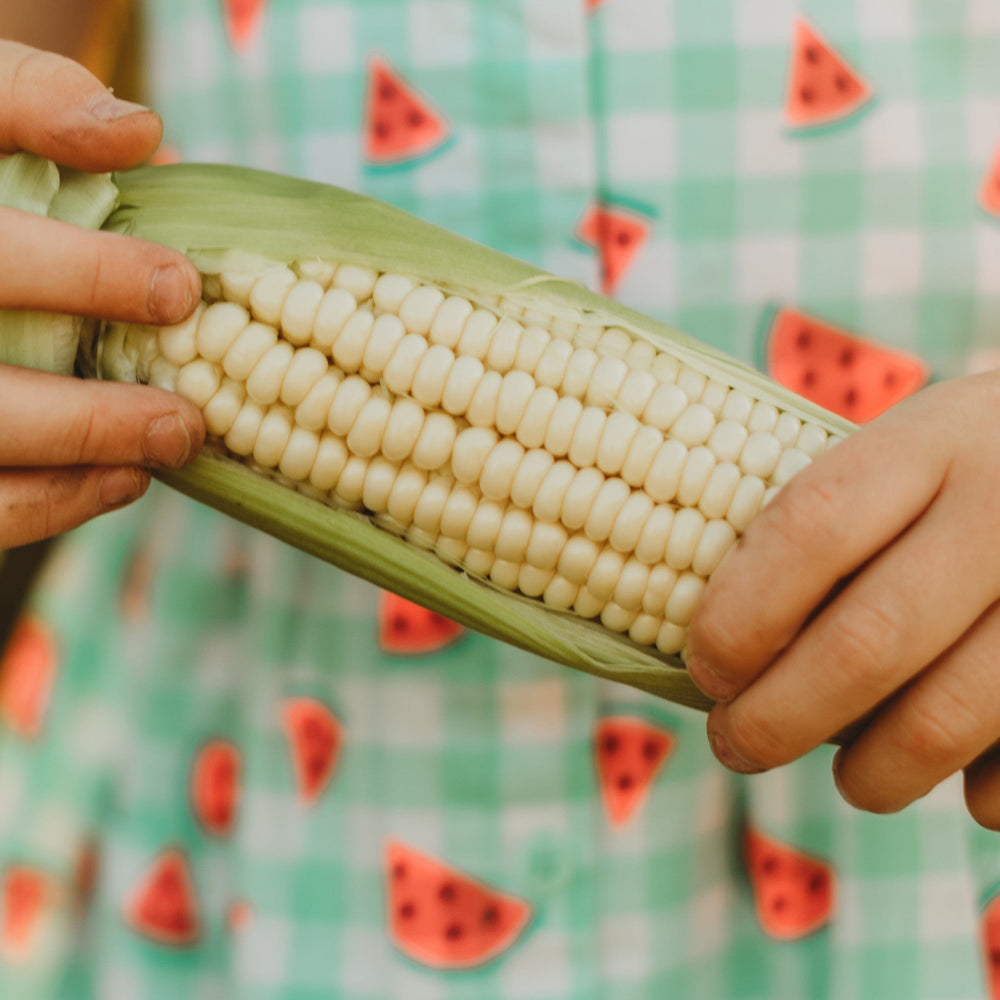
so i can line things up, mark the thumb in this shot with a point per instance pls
(52, 106)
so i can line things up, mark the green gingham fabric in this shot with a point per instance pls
(175, 626)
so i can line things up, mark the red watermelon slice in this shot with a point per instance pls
(24, 893)
(856, 378)
(314, 737)
(28, 669)
(618, 236)
(408, 629)
(164, 907)
(399, 124)
(990, 937)
(215, 786)
(243, 21)
(442, 918)
(822, 87)
(793, 892)
(629, 753)
(239, 916)
(989, 191)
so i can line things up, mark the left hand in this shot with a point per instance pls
(868, 589)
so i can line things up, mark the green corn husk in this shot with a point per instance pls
(231, 218)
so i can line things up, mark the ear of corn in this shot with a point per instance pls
(504, 447)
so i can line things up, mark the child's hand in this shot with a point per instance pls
(71, 450)
(870, 585)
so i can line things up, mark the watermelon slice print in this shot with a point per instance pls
(407, 629)
(794, 893)
(989, 191)
(28, 668)
(239, 915)
(442, 918)
(990, 937)
(315, 737)
(618, 236)
(164, 907)
(243, 20)
(215, 787)
(822, 87)
(400, 125)
(629, 753)
(856, 378)
(85, 873)
(24, 893)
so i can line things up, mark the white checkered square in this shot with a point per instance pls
(947, 907)
(274, 827)
(564, 155)
(632, 27)
(982, 127)
(765, 148)
(988, 257)
(533, 712)
(767, 268)
(262, 951)
(886, 19)
(891, 263)
(542, 958)
(641, 147)
(764, 22)
(454, 170)
(893, 139)
(651, 281)
(710, 912)
(555, 28)
(326, 39)
(626, 946)
(440, 32)
(412, 713)
(982, 16)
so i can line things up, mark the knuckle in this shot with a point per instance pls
(758, 739)
(712, 636)
(864, 638)
(932, 733)
(805, 515)
(84, 446)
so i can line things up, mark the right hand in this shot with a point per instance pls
(70, 450)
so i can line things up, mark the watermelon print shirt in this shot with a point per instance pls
(228, 770)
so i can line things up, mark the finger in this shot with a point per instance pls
(52, 420)
(829, 520)
(55, 267)
(39, 503)
(909, 605)
(933, 728)
(982, 789)
(52, 106)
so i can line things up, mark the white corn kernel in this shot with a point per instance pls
(698, 467)
(580, 498)
(406, 492)
(616, 618)
(560, 593)
(529, 475)
(760, 454)
(449, 321)
(221, 410)
(390, 290)
(478, 562)
(720, 489)
(436, 441)
(515, 533)
(737, 406)
(530, 348)
(242, 435)
(562, 425)
(352, 395)
(452, 551)
(551, 367)
(639, 459)
(458, 511)
(665, 473)
(577, 559)
(614, 343)
(546, 545)
(179, 343)
(665, 367)
(485, 525)
(402, 368)
(418, 309)
(636, 392)
(786, 430)
(401, 432)
(476, 334)
(264, 382)
(162, 374)
(685, 533)
(746, 502)
(587, 605)
(644, 629)
(365, 434)
(811, 440)
(237, 286)
(307, 368)
(468, 456)
(631, 585)
(348, 349)
(714, 396)
(535, 421)
(532, 581)
(199, 381)
(386, 333)
(267, 297)
(652, 544)
(716, 540)
(460, 385)
(272, 438)
(219, 326)
(763, 417)
(583, 334)
(606, 381)
(587, 436)
(611, 498)
(692, 382)
(619, 431)
(605, 573)
(671, 638)
(430, 507)
(359, 281)
(298, 314)
(666, 404)
(727, 440)
(792, 461)
(579, 370)
(505, 573)
(331, 457)
(502, 352)
(500, 468)
(314, 269)
(631, 519)
(313, 411)
(684, 599)
(516, 391)
(482, 409)
(335, 309)
(432, 376)
(693, 426)
(351, 484)
(640, 354)
(551, 494)
(299, 454)
(659, 586)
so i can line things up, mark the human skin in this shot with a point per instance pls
(868, 590)
(71, 450)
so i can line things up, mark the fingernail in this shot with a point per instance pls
(728, 757)
(169, 294)
(109, 108)
(121, 486)
(708, 681)
(168, 442)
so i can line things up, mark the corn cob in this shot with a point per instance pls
(407, 404)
